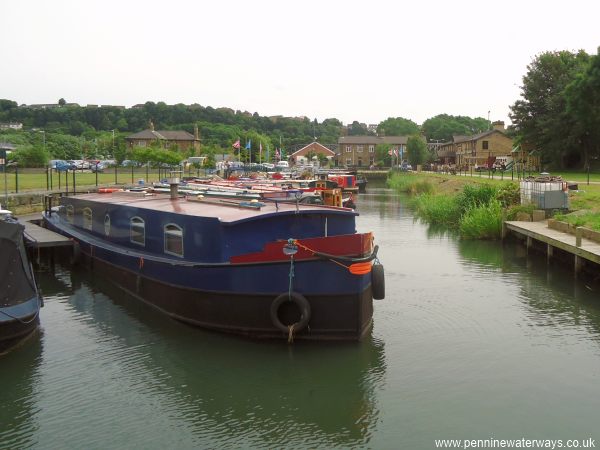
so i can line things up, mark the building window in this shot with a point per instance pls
(348, 161)
(371, 149)
(141, 143)
(137, 231)
(359, 149)
(348, 149)
(484, 145)
(70, 211)
(107, 225)
(87, 218)
(173, 240)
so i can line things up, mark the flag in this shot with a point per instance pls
(249, 144)
(260, 148)
(277, 154)
(236, 144)
(390, 152)
(396, 152)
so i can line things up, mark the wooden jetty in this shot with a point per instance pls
(540, 236)
(39, 237)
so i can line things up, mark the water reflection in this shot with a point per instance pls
(208, 389)
(19, 378)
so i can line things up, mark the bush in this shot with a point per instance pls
(31, 156)
(482, 222)
(508, 194)
(437, 209)
(473, 196)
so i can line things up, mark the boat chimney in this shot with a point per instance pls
(173, 181)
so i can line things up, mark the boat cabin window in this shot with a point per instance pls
(107, 225)
(70, 210)
(137, 231)
(173, 240)
(87, 218)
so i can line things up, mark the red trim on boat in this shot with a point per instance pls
(343, 245)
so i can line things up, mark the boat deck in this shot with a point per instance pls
(226, 210)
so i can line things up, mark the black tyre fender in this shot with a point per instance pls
(378, 282)
(302, 304)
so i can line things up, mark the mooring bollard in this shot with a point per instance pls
(578, 236)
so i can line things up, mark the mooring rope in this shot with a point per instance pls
(24, 322)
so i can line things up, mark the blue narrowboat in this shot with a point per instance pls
(19, 299)
(257, 268)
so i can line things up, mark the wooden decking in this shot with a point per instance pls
(588, 250)
(39, 237)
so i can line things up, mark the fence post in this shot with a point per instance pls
(47, 180)
(67, 181)
(73, 181)
(16, 178)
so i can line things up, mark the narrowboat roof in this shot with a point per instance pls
(225, 210)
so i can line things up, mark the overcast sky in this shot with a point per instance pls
(352, 60)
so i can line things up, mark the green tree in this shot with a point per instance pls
(31, 156)
(417, 150)
(358, 129)
(583, 104)
(62, 102)
(540, 117)
(443, 126)
(397, 126)
(382, 155)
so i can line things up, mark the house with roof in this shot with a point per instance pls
(166, 139)
(478, 149)
(301, 156)
(359, 151)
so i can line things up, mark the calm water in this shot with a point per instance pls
(474, 340)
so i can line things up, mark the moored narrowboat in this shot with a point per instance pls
(19, 299)
(258, 268)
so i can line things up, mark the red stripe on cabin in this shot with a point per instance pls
(344, 245)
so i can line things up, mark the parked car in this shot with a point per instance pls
(98, 167)
(130, 163)
(60, 165)
(406, 167)
(282, 165)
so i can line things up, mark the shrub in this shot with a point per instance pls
(437, 209)
(473, 196)
(508, 194)
(482, 222)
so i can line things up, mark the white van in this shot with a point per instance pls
(282, 165)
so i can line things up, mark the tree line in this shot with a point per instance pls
(558, 115)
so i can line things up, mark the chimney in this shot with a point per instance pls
(196, 133)
(151, 126)
(498, 125)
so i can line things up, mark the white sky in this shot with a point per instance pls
(351, 60)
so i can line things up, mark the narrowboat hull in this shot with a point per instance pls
(17, 323)
(242, 292)
(333, 317)
(19, 299)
